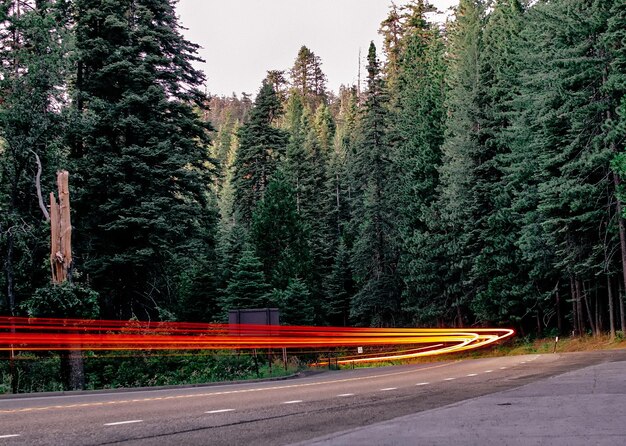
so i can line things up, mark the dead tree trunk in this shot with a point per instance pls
(61, 231)
(60, 264)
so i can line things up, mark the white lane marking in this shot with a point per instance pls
(388, 388)
(449, 379)
(220, 411)
(346, 394)
(502, 368)
(488, 371)
(9, 436)
(232, 392)
(422, 384)
(472, 374)
(117, 423)
(292, 402)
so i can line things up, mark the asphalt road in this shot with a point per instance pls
(278, 412)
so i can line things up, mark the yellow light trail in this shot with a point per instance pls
(45, 334)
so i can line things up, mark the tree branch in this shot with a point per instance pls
(38, 187)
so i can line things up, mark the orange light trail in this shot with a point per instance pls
(45, 334)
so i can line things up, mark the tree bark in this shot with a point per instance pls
(579, 308)
(574, 307)
(611, 307)
(559, 322)
(622, 311)
(622, 240)
(42, 206)
(589, 313)
(72, 367)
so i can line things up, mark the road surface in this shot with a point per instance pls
(321, 409)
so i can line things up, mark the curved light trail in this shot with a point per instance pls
(45, 334)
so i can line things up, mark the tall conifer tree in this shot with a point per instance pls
(374, 255)
(140, 154)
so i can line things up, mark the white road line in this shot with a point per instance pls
(123, 422)
(449, 379)
(388, 388)
(231, 392)
(502, 368)
(472, 374)
(488, 371)
(422, 384)
(9, 436)
(220, 411)
(292, 402)
(346, 394)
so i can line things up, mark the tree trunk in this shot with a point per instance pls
(589, 313)
(575, 327)
(538, 324)
(611, 308)
(597, 310)
(622, 240)
(72, 368)
(622, 313)
(8, 267)
(579, 308)
(559, 322)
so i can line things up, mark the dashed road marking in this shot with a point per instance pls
(220, 411)
(117, 423)
(292, 402)
(488, 371)
(449, 379)
(227, 392)
(346, 394)
(388, 388)
(502, 368)
(10, 436)
(473, 374)
(422, 384)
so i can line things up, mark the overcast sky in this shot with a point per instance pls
(242, 39)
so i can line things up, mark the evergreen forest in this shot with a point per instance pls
(472, 177)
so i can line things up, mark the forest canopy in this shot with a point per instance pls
(473, 176)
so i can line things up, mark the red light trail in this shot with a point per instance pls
(45, 334)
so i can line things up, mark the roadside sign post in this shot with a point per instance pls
(556, 341)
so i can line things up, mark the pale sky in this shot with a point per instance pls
(242, 39)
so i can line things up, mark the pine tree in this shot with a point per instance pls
(247, 288)
(279, 235)
(261, 145)
(140, 152)
(374, 258)
(295, 303)
(417, 129)
(615, 86)
(34, 51)
(560, 135)
(458, 206)
(308, 79)
(499, 273)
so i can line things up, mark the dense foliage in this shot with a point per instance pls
(475, 178)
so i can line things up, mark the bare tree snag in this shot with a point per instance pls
(42, 206)
(60, 263)
(60, 230)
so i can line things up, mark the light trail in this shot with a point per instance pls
(46, 334)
